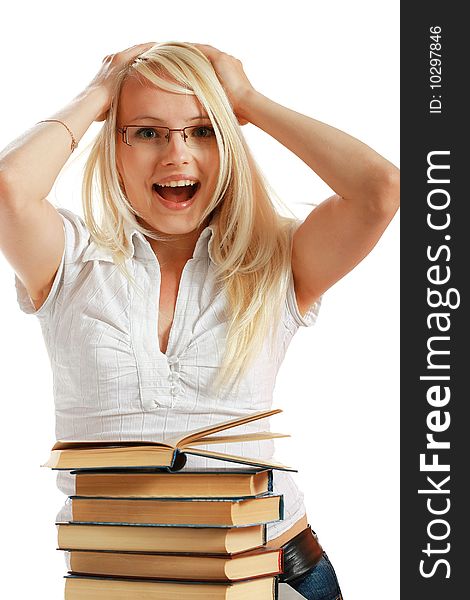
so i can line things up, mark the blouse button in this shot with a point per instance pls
(172, 360)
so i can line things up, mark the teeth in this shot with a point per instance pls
(181, 183)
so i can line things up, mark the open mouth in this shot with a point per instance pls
(179, 193)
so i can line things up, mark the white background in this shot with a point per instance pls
(338, 387)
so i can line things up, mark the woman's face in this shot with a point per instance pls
(166, 209)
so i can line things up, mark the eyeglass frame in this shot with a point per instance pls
(123, 131)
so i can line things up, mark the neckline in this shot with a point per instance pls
(169, 343)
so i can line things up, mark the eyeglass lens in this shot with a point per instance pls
(195, 136)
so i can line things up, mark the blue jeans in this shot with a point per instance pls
(320, 583)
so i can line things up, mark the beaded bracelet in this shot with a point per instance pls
(74, 141)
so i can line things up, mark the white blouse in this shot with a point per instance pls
(110, 379)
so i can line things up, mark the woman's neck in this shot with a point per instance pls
(177, 249)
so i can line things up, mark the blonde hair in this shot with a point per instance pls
(251, 246)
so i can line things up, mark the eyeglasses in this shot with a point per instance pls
(195, 136)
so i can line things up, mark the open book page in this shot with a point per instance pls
(200, 434)
(257, 462)
(243, 437)
(92, 444)
(195, 436)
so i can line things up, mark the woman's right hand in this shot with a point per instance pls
(112, 65)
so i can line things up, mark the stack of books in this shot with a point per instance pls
(142, 528)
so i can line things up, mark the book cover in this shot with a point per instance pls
(151, 482)
(159, 538)
(260, 562)
(103, 588)
(183, 511)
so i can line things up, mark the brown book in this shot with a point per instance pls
(98, 454)
(179, 511)
(160, 538)
(209, 483)
(222, 567)
(79, 587)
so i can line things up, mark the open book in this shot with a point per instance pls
(170, 454)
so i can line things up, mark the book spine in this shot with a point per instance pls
(270, 481)
(178, 461)
(276, 588)
(281, 560)
(281, 507)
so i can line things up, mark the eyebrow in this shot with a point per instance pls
(198, 118)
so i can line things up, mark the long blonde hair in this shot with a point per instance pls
(251, 246)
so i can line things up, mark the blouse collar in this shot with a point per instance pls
(141, 249)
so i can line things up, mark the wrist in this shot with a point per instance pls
(248, 102)
(244, 103)
(98, 99)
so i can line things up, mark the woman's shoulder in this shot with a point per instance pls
(77, 234)
(77, 240)
(76, 221)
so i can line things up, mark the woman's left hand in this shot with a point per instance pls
(231, 75)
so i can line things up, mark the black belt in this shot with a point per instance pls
(299, 555)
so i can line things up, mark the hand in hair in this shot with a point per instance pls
(231, 75)
(112, 65)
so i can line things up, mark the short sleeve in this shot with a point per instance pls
(76, 241)
(310, 317)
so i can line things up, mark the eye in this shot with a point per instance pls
(148, 133)
(202, 131)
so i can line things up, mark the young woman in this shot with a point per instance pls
(172, 303)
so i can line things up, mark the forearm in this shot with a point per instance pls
(31, 163)
(348, 166)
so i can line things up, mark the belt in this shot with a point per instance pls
(299, 555)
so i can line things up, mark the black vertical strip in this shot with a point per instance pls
(434, 292)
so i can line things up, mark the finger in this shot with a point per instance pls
(137, 49)
(146, 45)
(133, 51)
(140, 48)
(209, 51)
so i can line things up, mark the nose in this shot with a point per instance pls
(176, 151)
